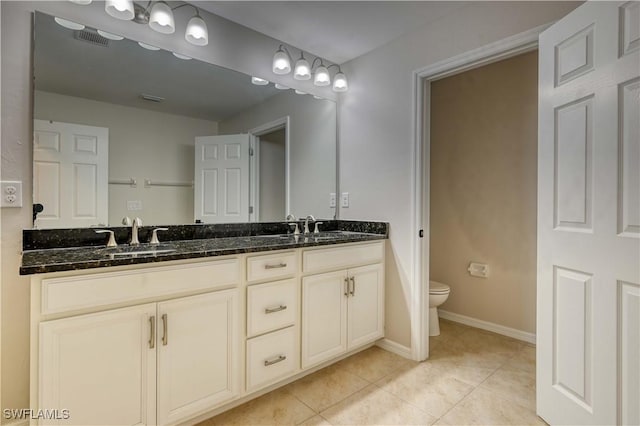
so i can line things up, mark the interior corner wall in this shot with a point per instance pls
(231, 45)
(164, 151)
(484, 150)
(376, 126)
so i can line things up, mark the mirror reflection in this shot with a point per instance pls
(122, 129)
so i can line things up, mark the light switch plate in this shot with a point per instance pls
(332, 200)
(11, 193)
(344, 200)
(134, 205)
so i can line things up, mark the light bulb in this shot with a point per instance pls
(259, 81)
(110, 36)
(69, 24)
(340, 82)
(322, 77)
(119, 9)
(281, 63)
(197, 33)
(161, 18)
(302, 70)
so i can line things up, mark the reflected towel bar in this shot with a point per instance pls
(149, 182)
(132, 182)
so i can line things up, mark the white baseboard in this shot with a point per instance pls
(396, 348)
(489, 326)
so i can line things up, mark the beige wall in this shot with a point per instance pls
(143, 144)
(483, 190)
(272, 179)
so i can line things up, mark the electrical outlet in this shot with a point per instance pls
(11, 194)
(134, 205)
(332, 200)
(344, 200)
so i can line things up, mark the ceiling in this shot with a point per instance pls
(335, 30)
(124, 70)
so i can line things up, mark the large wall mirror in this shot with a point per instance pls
(123, 130)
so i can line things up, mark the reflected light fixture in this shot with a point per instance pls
(110, 36)
(281, 86)
(148, 46)
(119, 9)
(259, 81)
(161, 18)
(302, 70)
(183, 57)
(281, 61)
(69, 24)
(81, 2)
(300, 92)
(197, 33)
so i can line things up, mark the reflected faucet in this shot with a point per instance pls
(137, 222)
(292, 220)
(306, 223)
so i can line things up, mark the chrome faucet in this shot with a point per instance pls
(136, 223)
(306, 223)
(292, 220)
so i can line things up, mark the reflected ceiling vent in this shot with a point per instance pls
(151, 98)
(92, 37)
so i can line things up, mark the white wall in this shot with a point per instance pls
(312, 146)
(376, 131)
(231, 46)
(143, 144)
(272, 176)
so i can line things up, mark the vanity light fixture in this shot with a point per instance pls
(281, 86)
(197, 33)
(110, 36)
(321, 76)
(340, 83)
(148, 46)
(161, 18)
(302, 70)
(69, 24)
(259, 81)
(120, 9)
(281, 61)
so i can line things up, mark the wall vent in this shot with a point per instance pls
(92, 38)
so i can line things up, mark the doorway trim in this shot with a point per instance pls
(254, 163)
(497, 51)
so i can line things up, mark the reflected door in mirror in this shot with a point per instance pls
(70, 168)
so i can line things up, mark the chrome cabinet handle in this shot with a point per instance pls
(346, 286)
(154, 235)
(165, 336)
(279, 358)
(353, 286)
(273, 310)
(276, 266)
(112, 239)
(152, 333)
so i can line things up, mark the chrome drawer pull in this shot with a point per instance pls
(279, 265)
(276, 360)
(152, 334)
(165, 336)
(353, 284)
(346, 287)
(272, 310)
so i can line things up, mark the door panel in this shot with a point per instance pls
(588, 216)
(365, 305)
(222, 179)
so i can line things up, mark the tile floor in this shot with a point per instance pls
(471, 378)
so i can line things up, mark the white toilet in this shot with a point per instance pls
(438, 294)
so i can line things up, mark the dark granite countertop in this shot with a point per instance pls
(78, 258)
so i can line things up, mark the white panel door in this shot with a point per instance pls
(324, 317)
(589, 217)
(101, 367)
(365, 305)
(198, 340)
(70, 174)
(222, 179)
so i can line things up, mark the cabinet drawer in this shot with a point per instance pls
(342, 257)
(102, 289)
(271, 357)
(271, 266)
(271, 306)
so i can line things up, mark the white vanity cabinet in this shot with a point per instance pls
(344, 309)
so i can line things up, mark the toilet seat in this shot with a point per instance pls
(438, 288)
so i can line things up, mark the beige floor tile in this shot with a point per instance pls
(374, 406)
(373, 364)
(326, 387)
(514, 384)
(279, 407)
(428, 388)
(449, 330)
(525, 359)
(483, 407)
(316, 420)
(469, 367)
(479, 341)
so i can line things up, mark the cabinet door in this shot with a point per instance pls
(324, 317)
(101, 367)
(366, 305)
(197, 354)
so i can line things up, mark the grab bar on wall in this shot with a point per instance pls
(132, 182)
(148, 183)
